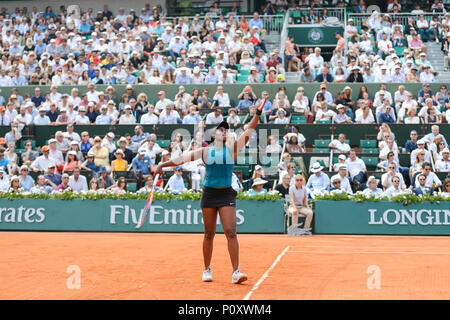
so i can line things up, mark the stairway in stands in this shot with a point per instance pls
(436, 57)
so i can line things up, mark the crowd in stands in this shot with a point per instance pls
(67, 48)
(62, 48)
(383, 48)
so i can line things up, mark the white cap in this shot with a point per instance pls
(445, 150)
(111, 135)
(342, 157)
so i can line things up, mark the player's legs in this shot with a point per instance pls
(209, 221)
(228, 219)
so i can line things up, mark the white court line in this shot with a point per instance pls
(266, 274)
(364, 247)
(365, 252)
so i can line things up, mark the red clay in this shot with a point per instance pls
(169, 266)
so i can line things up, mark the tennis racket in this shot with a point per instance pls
(261, 106)
(148, 204)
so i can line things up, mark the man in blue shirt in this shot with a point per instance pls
(141, 162)
(85, 27)
(256, 21)
(183, 77)
(37, 99)
(435, 133)
(176, 182)
(411, 145)
(386, 117)
(140, 135)
(244, 103)
(3, 161)
(104, 118)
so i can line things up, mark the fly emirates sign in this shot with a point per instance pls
(424, 217)
(159, 215)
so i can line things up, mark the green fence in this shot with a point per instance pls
(390, 218)
(253, 216)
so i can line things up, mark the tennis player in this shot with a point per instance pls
(218, 196)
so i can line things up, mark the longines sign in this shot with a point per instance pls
(350, 217)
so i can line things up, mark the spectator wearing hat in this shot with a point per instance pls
(355, 75)
(326, 94)
(100, 152)
(372, 188)
(53, 113)
(72, 161)
(258, 187)
(127, 117)
(41, 163)
(89, 164)
(26, 182)
(443, 164)
(104, 117)
(341, 117)
(119, 164)
(4, 119)
(342, 176)
(318, 181)
(15, 184)
(176, 182)
(420, 147)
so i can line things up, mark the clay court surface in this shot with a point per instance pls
(33, 265)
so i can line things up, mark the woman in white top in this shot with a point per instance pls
(154, 78)
(84, 79)
(127, 117)
(74, 98)
(246, 61)
(281, 117)
(365, 117)
(323, 114)
(11, 155)
(112, 111)
(301, 102)
(411, 116)
(197, 77)
(273, 145)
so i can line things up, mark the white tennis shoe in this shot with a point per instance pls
(238, 277)
(207, 275)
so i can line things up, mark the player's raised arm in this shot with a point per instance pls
(184, 158)
(245, 136)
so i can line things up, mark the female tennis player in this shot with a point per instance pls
(218, 195)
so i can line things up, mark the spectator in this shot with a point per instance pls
(421, 188)
(77, 182)
(258, 187)
(298, 195)
(26, 182)
(176, 182)
(319, 181)
(339, 144)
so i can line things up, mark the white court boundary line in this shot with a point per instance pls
(366, 247)
(266, 274)
(365, 252)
